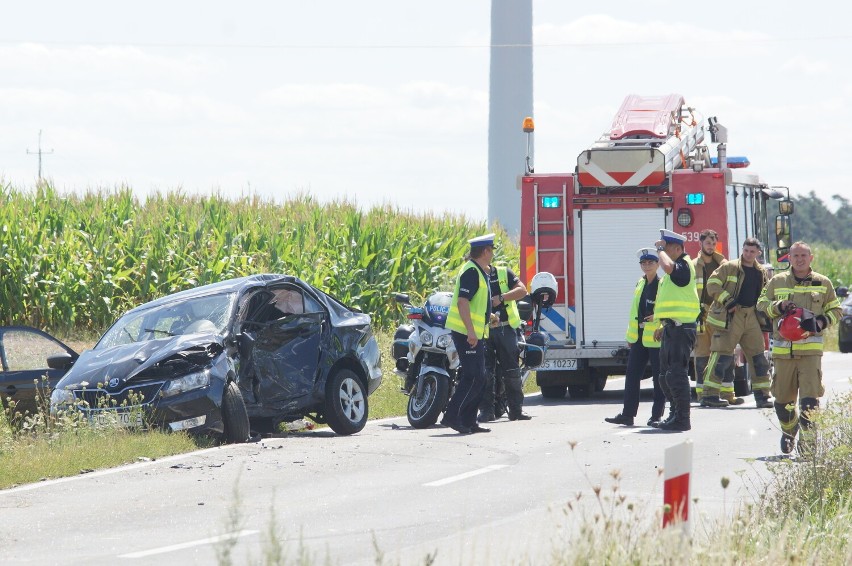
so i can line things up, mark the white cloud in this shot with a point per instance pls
(807, 66)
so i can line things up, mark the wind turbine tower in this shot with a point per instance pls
(510, 101)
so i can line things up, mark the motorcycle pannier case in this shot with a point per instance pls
(534, 350)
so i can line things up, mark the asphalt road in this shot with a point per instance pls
(391, 492)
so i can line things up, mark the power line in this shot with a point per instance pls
(403, 46)
(40, 152)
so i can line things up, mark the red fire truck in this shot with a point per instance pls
(651, 170)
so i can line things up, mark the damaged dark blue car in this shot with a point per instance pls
(227, 358)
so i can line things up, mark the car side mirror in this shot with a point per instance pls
(63, 360)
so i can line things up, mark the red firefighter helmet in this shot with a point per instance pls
(790, 325)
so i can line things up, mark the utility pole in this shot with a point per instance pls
(39, 153)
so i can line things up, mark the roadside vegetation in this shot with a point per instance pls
(40, 446)
(70, 262)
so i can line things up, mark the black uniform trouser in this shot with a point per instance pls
(461, 410)
(502, 346)
(638, 358)
(675, 351)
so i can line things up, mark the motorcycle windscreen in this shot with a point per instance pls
(286, 358)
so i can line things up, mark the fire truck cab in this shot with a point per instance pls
(651, 170)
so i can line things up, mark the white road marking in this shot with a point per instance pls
(466, 475)
(183, 545)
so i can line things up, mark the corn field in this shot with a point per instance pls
(71, 261)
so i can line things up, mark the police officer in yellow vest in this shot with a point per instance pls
(469, 317)
(502, 346)
(643, 347)
(677, 309)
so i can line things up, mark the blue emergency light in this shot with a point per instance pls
(733, 162)
(694, 198)
(551, 202)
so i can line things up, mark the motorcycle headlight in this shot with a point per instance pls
(189, 382)
(443, 341)
(426, 338)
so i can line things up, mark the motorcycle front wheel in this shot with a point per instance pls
(424, 409)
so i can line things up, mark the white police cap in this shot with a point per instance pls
(480, 241)
(648, 253)
(671, 237)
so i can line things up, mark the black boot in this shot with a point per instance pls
(789, 421)
(762, 400)
(620, 419)
(515, 398)
(681, 422)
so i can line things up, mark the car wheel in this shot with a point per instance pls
(424, 409)
(553, 391)
(345, 403)
(742, 381)
(234, 415)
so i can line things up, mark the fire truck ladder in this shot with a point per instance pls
(559, 269)
(650, 137)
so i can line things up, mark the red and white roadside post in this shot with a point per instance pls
(676, 488)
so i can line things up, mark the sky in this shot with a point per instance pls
(386, 101)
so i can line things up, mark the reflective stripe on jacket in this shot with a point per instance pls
(725, 284)
(511, 306)
(478, 305)
(820, 299)
(677, 303)
(633, 324)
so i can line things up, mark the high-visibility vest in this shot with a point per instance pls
(633, 325)
(478, 305)
(511, 306)
(677, 303)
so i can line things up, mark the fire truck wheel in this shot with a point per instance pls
(742, 381)
(580, 391)
(553, 391)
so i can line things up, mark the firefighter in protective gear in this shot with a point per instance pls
(706, 263)
(677, 309)
(735, 288)
(502, 346)
(798, 364)
(644, 348)
(470, 311)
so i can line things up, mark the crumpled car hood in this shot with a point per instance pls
(128, 361)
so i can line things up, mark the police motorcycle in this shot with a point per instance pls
(427, 360)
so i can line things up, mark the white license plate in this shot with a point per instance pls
(116, 418)
(558, 364)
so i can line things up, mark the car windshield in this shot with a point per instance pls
(196, 315)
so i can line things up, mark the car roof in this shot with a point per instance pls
(228, 286)
(341, 314)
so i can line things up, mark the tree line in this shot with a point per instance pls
(814, 223)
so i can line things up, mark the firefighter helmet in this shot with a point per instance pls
(790, 325)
